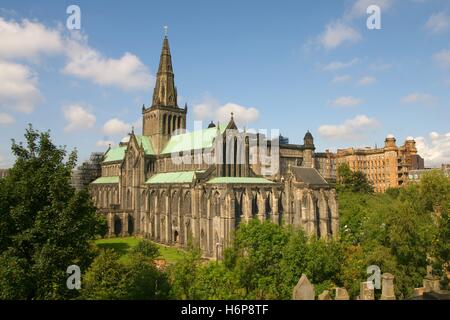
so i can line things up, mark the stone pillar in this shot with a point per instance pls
(261, 208)
(387, 287)
(125, 224)
(275, 214)
(247, 207)
(111, 224)
(310, 226)
(168, 217)
(367, 291)
(323, 216)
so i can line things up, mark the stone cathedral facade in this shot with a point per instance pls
(215, 184)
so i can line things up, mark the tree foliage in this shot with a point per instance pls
(355, 181)
(45, 225)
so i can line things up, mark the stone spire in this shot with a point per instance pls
(165, 93)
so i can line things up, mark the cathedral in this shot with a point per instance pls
(179, 188)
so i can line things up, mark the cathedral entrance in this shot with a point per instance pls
(117, 226)
(130, 224)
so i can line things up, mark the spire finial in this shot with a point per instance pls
(232, 115)
(165, 31)
(132, 129)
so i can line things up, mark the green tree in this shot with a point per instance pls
(143, 281)
(45, 225)
(353, 181)
(147, 248)
(183, 275)
(104, 278)
(259, 248)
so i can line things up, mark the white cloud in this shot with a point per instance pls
(337, 33)
(341, 30)
(347, 102)
(18, 87)
(128, 72)
(435, 149)
(104, 143)
(351, 128)
(338, 65)
(116, 127)
(30, 40)
(6, 119)
(210, 109)
(342, 79)
(442, 58)
(438, 22)
(27, 39)
(367, 80)
(420, 98)
(78, 118)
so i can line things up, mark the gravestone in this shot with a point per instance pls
(341, 294)
(325, 295)
(418, 292)
(431, 283)
(387, 287)
(304, 290)
(366, 291)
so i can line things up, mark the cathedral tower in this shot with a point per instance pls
(164, 116)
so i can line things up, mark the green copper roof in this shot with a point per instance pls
(104, 180)
(200, 139)
(146, 144)
(239, 180)
(115, 154)
(172, 177)
(118, 153)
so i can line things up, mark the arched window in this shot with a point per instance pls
(216, 204)
(174, 123)
(164, 124)
(169, 124)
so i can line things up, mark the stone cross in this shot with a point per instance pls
(366, 291)
(387, 287)
(341, 294)
(304, 290)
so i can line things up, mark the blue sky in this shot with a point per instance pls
(288, 65)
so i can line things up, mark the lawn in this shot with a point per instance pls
(123, 245)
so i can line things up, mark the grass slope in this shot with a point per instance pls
(123, 245)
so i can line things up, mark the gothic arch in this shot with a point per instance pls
(238, 206)
(216, 204)
(169, 124)
(164, 124)
(255, 208)
(204, 204)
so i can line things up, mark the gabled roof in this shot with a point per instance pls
(172, 177)
(146, 144)
(200, 139)
(106, 180)
(118, 153)
(239, 180)
(308, 176)
(115, 154)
